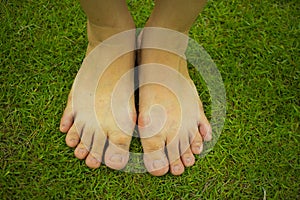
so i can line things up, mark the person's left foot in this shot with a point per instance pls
(105, 139)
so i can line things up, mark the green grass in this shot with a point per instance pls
(256, 48)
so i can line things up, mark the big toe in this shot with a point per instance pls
(117, 152)
(155, 158)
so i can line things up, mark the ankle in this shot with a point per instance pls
(97, 34)
(161, 24)
(164, 39)
(100, 33)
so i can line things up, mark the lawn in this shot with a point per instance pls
(255, 45)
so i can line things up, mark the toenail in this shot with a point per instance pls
(116, 158)
(95, 161)
(72, 140)
(82, 151)
(188, 160)
(201, 148)
(198, 149)
(158, 164)
(176, 168)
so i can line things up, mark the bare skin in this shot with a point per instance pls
(90, 140)
(186, 125)
(92, 149)
(172, 148)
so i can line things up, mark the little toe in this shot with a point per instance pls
(72, 137)
(81, 152)
(67, 118)
(177, 168)
(117, 152)
(204, 126)
(205, 131)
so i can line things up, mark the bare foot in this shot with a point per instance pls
(172, 123)
(103, 140)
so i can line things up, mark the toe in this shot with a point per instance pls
(92, 162)
(94, 158)
(117, 152)
(204, 126)
(67, 118)
(81, 152)
(177, 168)
(205, 131)
(187, 156)
(196, 143)
(72, 138)
(156, 163)
(155, 158)
(66, 121)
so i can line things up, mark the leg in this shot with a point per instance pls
(177, 15)
(105, 19)
(186, 125)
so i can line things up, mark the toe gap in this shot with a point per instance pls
(81, 131)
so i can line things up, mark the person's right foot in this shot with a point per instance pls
(172, 123)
